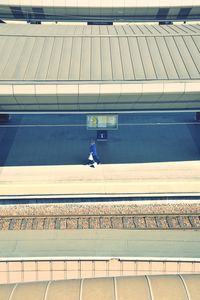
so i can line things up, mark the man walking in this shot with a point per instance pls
(93, 152)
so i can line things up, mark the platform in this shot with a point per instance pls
(100, 243)
(113, 179)
(148, 154)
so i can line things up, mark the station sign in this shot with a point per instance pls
(108, 121)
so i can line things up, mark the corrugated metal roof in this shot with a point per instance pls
(99, 53)
(168, 287)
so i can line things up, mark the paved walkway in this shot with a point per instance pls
(153, 178)
(100, 243)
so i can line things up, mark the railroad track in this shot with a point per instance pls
(132, 222)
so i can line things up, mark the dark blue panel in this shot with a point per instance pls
(17, 12)
(38, 13)
(183, 13)
(162, 13)
(100, 23)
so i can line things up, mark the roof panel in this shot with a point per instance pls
(70, 29)
(145, 29)
(34, 292)
(6, 49)
(43, 64)
(112, 30)
(103, 29)
(65, 59)
(64, 290)
(78, 30)
(171, 286)
(4, 29)
(119, 30)
(60, 30)
(193, 286)
(165, 287)
(116, 59)
(127, 29)
(6, 290)
(153, 30)
(3, 44)
(85, 59)
(13, 29)
(55, 59)
(104, 287)
(188, 29)
(195, 27)
(156, 58)
(23, 61)
(106, 59)
(133, 288)
(54, 30)
(195, 54)
(34, 59)
(186, 56)
(136, 58)
(87, 30)
(175, 29)
(95, 30)
(126, 59)
(74, 71)
(176, 57)
(179, 29)
(40, 30)
(197, 41)
(136, 29)
(95, 59)
(146, 58)
(117, 52)
(13, 58)
(166, 57)
(162, 29)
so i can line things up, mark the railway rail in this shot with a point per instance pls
(131, 222)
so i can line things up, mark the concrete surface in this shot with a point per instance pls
(106, 179)
(100, 243)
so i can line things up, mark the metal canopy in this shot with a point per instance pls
(99, 68)
(99, 53)
(168, 287)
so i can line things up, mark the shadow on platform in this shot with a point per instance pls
(58, 144)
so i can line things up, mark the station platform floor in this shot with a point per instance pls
(100, 243)
(147, 154)
(77, 181)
